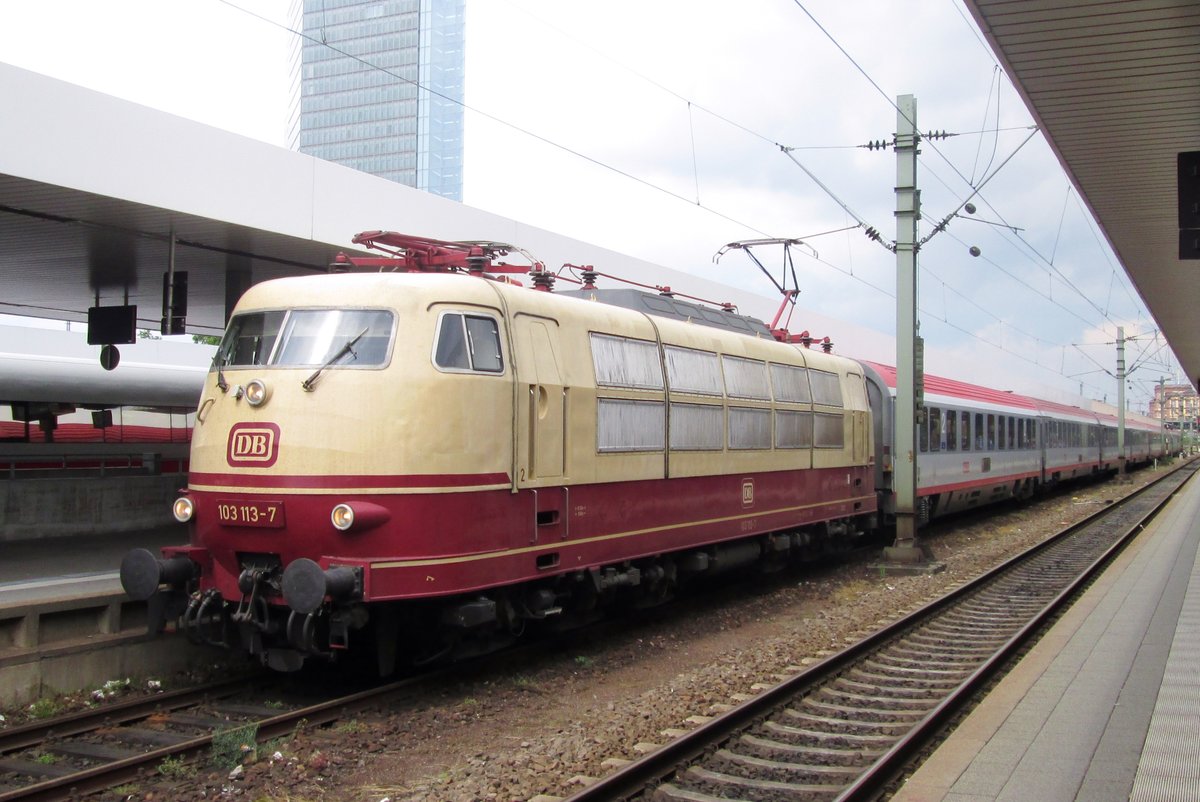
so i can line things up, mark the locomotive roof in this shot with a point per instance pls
(418, 290)
(667, 306)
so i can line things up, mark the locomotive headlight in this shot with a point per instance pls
(358, 516)
(342, 517)
(183, 508)
(257, 393)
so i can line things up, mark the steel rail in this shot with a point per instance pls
(117, 772)
(637, 776)
(883, 771)
(123, 712)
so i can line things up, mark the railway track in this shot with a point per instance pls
(81, 753)
(74, 755)
(847, 727)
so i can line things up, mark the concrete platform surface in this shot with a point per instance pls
(35, 570)
(1070, 721)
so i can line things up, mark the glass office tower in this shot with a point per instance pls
(378, 86)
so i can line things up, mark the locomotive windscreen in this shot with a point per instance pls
(307, 337)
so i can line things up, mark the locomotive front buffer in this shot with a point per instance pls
(322, 604)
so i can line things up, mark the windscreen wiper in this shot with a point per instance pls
(348, 348)
(220, 361)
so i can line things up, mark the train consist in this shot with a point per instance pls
(401, 464)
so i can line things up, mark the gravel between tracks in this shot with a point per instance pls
(513, 736)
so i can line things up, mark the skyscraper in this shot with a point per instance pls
(378, 86)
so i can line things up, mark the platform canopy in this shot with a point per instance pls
(94, 188)
(1115, 87)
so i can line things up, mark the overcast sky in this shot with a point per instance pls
(653, 127)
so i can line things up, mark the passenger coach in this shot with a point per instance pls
(977, 445)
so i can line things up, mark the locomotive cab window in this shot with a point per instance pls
(308, 337)
(468, 343)
(250, 338)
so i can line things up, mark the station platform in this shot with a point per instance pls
(1106, 706)
(66, 625)
(51, 568)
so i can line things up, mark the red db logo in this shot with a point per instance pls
(253, 445)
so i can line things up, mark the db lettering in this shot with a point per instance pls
(252, 445)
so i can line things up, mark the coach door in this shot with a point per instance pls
(540, 400)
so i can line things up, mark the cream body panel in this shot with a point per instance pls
(403, 419)
(578, 319)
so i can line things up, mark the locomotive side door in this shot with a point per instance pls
(540, 395)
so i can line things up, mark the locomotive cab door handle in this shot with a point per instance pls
(533, 536)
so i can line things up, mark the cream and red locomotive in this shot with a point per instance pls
(382, 456)
(399, 464)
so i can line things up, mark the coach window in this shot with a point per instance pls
(1012, 432)
(692, 371)
(991, 432)
(791, 384)
(826, 389)
(747, 378)
(828, 431)
(697, 427)
(923, 433)
(625, 362)
(935, 429)
(950, 430)
(964, 430)
(792, 429)
(980, 438)
(750, 428)
(468, 343)
(625, 424)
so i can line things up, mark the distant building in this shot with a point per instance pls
(1176, 405)
(378, 86)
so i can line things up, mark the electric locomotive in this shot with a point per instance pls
(404, 464)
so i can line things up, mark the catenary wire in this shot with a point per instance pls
(501, 121)
(624, 173)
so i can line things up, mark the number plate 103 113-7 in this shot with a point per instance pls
(236, 512)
